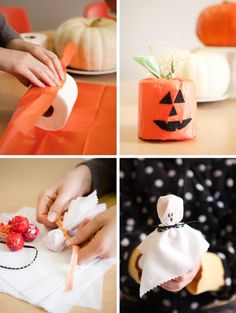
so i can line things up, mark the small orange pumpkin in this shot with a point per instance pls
(167, 109)
(216, 25)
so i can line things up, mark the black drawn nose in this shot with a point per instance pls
(173, 111)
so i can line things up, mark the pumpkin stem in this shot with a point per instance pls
(95, 22)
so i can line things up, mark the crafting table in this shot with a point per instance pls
(21, 182)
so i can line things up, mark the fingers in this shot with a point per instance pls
(89, 252)
(50, 60)
(86, 232)
(56, 63)
(59, 206)
(44, 202)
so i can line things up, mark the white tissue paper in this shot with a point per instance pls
(35, 38)
(60, 110)
(79, 209)
(171, 253)
(43, 283)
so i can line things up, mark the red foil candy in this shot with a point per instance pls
(19, 224)
(31, 233)
(15, 241)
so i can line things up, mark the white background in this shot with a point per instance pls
(158, 22)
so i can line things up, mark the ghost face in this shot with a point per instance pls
(170, 210)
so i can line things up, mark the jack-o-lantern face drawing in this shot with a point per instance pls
(167, 109)
(172, 125)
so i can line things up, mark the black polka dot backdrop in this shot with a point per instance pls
(207, 187)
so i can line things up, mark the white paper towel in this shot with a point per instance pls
(35, 38)
(43, 283)
(59, 112)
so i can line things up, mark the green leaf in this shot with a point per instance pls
(149, 63)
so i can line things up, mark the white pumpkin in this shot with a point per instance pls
(210, 72)
(95, 39)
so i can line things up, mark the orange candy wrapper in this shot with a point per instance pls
(90, 129)
(167, 109)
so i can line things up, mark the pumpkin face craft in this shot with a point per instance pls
(172, 125)
(167, 109)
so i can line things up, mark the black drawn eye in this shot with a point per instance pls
(168, 214)
(172, 214)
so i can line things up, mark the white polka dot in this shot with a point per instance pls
(130, 221)
(127, 203)
(171, 173)
(166, 302)
(133, 175)
(188, 213)
(194, 305)
(228, 162)
(209, 209)
(217, 173)
(135, 162)
(126, 289)
(222, 233)
(231, 250)
(217, 195)
(181, 182)
(125, 242)
(125, 255)
(129, 228)
(156, 289)
(158, 183)
(123, 279)
(229, 228)
(149, 170)
(183, 293)
(160, 164)
(205, 227)
(175, 311)
(202, 218)
(228, 281)
(221, 255)
(142, 236)
(202, 167)
(144, 210)
(220, 204)
(188, 196)
(150, 221)
(209, 199)
(208, 182)
(138, 199)
(230, 182)
(199, 187)
(153, 199)
(179, 161)
(122, 174)
(190, 173)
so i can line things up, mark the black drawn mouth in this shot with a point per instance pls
(172, 125)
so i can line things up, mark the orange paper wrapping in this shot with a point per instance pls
(165, 121)
(90, 129)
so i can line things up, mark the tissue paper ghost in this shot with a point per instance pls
(172, 249)
(80, 209)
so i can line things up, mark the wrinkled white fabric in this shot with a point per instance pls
(43, 283)
(171, 253)
(79, 209)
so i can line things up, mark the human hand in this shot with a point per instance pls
(97, 237)
(179, 283)
(31, 64)
(55, 200)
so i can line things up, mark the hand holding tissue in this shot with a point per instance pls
(172, 249)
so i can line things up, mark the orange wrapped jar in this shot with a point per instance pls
(167, 109)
